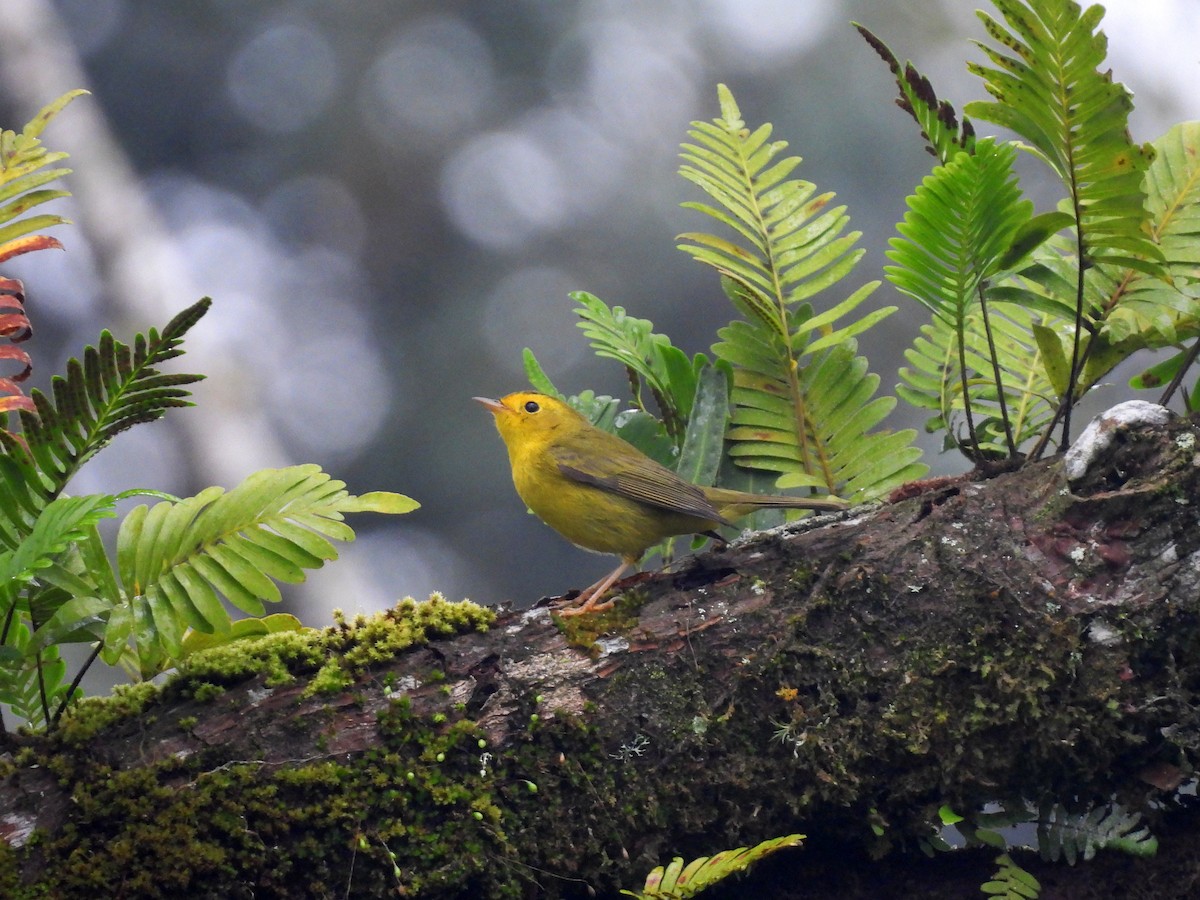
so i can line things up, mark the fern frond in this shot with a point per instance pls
(1052, 92)
(839, 388)
(37, 619)
(676, 881)
(1071, 836)
(62, 523)
(1011, 882)
(960, 223)
(788, 244)
(1050, 89)
(23, 179)
(177, 559)
(115, 387)
(31, 680)
(933, 379)
(1137, 311)
(647, 356)
(1149, 312)
(937, 119)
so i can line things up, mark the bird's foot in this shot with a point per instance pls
(590, 605)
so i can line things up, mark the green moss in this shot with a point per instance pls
(83, 720)
(206, 691)
(583, 631)
(421, 814)
(336, 654)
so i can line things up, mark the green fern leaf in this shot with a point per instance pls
(114, 388)
(933, 379)
(1136, 311)
(788, 244)
(1052, 92)
(1147, 312)
(1071, 836)
(23, 175)
(176, 560)
(647, 356)
(676, 881)
(1011, 882)
(960, 222)
(32, 679)
(61, 523)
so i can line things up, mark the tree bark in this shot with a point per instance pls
(1016, 639)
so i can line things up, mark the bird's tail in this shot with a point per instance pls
(733, 504)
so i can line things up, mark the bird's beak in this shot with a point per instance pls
(495, 406)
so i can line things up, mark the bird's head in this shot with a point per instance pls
(527, 417)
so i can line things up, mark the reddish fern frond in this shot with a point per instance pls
(27, 244)
(14, 325)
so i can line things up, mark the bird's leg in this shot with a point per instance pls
(587, 601)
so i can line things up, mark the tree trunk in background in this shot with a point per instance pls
(977, 643)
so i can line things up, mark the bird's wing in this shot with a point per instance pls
(647, 482)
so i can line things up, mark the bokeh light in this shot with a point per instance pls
(502, 189)
(432, 80)
(281, 78)
(525, 309)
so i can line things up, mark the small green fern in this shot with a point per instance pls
(960, 225)
(678, 882)
(1066, 835)
(176, 559)
(932, 380)
(649, 358)
(1011, 882)
(1109, 273)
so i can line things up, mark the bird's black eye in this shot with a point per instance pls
(531, 406)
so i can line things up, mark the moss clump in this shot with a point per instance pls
(337, 653)
(278, 657)
(83, 720)
(584, 631)
(368, 640)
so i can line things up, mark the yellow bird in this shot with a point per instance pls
(603, 494)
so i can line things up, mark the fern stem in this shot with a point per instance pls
(992, 354)
(1075, 363)
(960, 326)
(8, 620)
(87, 664)
(1177, 380)
(41, 679)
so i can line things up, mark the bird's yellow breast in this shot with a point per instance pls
(588, 516)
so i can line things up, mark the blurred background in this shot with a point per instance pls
(388, 201)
